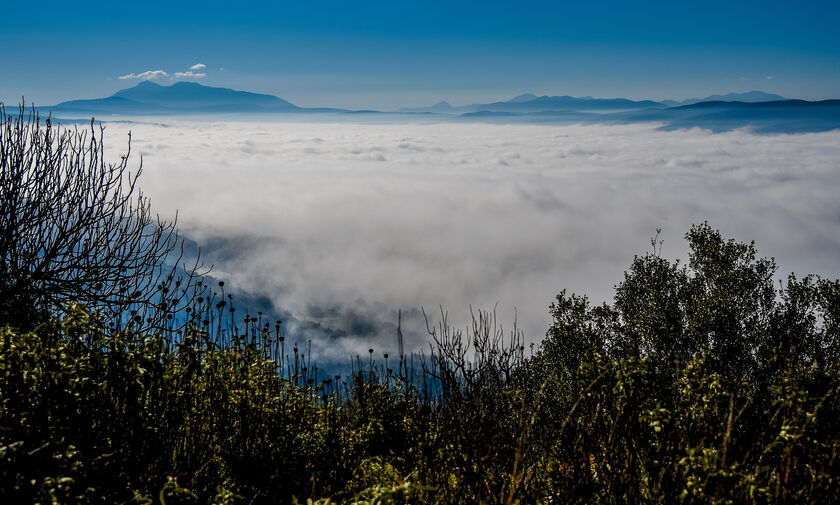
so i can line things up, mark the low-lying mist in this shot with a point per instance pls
(343, 224)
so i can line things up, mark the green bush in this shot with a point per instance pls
(699, 383)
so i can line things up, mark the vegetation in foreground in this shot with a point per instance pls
(699, 383)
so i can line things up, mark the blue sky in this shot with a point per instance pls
(378, 54)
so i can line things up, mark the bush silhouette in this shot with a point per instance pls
(74, 228)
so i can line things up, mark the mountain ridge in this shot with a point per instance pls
(772, 115)
(190, 97)
(181, 97)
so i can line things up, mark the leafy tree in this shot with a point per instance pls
(700, 383)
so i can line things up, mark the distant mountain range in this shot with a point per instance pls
(749, 96)
(180, 98)
(529, 102)
(756, 109)
(533, 103)
(778, 116)
(560, 103)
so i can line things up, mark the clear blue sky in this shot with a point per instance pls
(385, 54)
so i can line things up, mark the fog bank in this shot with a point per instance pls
(343, 224)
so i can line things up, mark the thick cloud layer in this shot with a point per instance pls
(343, 224)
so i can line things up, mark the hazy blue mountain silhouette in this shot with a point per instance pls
(778, 105)
(777, 116)
(529, 103)
(442, 107)
(192, 95)
(526, 97)
(110, 105)
(181, 97)
(524, 103)
(749, 96)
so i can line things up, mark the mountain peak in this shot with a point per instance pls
(182, 96)
(525, 97)
(147, 84)
(749, 96)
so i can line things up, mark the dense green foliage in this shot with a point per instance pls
(699, 383)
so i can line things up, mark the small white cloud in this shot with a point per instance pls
(190, 74)
(769, 77)
(198, 66)
(145, 76)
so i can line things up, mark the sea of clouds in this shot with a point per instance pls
(342, 224)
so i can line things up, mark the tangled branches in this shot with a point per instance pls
(75, 228)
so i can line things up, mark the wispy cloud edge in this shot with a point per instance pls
(145, 76)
